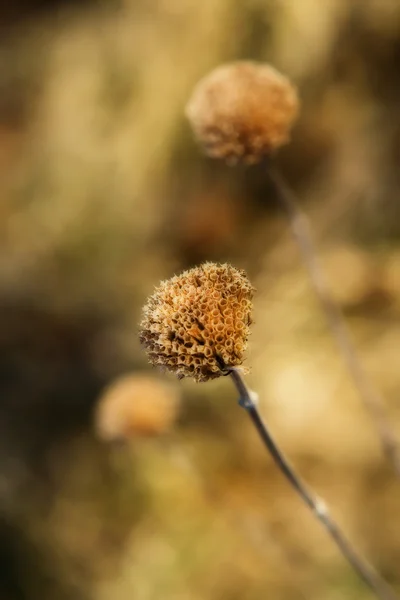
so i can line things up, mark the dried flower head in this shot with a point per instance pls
(243, 111)
(136, 404)
(197, 323)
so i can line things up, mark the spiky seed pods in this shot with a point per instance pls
(242, 111)
(197, 323)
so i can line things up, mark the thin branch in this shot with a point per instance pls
(372, 399)
(317, 506)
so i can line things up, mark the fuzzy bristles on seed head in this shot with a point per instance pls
(242, 111)
(197, 323)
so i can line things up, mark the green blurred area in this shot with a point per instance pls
(102, 194)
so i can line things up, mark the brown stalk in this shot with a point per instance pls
(315, 504)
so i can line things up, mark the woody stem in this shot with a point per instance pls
(247, 399)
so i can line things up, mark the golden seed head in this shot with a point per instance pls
(197, 323)
(243, 111)
(136, 404)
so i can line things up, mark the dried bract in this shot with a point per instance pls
(243, 111)
(197, 323)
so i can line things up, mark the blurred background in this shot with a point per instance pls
(116, 481)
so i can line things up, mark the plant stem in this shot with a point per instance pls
(372, 399)
(317, 506)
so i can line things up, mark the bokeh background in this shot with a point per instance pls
(115, 481)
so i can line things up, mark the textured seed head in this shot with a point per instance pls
(197, 323)
(136, 404)
(243, 111)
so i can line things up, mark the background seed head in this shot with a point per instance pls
(136, 404)
(243, 111)
(197, 323)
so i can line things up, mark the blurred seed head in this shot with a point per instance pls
(197, 323)
(242, 111)
(136, 405)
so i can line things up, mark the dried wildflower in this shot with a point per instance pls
(242, 111)
(136, 404)
(197, 323)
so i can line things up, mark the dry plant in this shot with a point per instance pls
(243, 112)
(136, 404)
(197, 319)
(197, 325)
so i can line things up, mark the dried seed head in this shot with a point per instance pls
(197, 323)
(136, 404)
(242, 111)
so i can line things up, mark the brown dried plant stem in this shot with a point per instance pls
(372, 399)
(317, 506)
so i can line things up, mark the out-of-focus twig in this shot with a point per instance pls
(371, 397)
